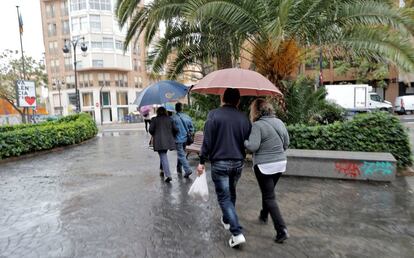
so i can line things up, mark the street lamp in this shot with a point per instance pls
(66, 49)
(58, 85)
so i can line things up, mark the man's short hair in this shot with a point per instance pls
(178, 107)
(231, 96)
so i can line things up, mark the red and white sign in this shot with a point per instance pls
(26, 93)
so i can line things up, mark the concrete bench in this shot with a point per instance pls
(196, 146)
(374, 166)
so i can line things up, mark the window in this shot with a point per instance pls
(77, 5)
(87, 99)
(136, 49)
(376, 97)
(95, 21)
(51, 29)
(72, 98)
(106, 98)
(104, 5)
(136, 82)
(75, 25)
(56, 100)
(50, 10)
(96, 44)
(135, 65)
(119, 44)
(104, 79)
(139, 65)
(122, 113)
(80, 24)
(84, 80)
(70, 82)
(121, 80)
(125, 80)
(65, 27)
(108, 43)
(54, 65)
(122, 98)
(68, 63)
(83, 23)
(79, 64)
(107, 79)
(53, 46)
(97, 63)
(64, 8)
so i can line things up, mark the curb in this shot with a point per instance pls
(42, 152)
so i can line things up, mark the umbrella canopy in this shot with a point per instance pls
(249, 83)
(145, 109)
(160, 93)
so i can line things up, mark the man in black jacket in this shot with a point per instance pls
(225, 130)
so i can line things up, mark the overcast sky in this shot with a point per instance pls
(32, 24)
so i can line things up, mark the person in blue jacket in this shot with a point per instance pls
(225, 131)
(184, 125)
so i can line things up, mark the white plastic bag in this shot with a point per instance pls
(199, 188)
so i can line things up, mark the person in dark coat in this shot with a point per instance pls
(163, 131)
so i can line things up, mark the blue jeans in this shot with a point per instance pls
(225, 174)
(164, 163)
(182, 159)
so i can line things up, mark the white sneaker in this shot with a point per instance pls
(237, 240)
(225, 225)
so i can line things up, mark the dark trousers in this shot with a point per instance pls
(267, 184)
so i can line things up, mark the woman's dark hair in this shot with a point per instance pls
(161, 111)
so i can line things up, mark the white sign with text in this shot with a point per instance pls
(26, 93)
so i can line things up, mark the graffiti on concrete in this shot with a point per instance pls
(378, 167)
(348, 168)
(367, 168)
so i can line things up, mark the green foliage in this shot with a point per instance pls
(201, 105)
(304, 105)
(200, 31)
(21, 139)
(364, 70)
(11, 71)
(371, 132)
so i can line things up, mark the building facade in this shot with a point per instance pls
(108, 77)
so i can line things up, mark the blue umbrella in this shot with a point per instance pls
(161, 93)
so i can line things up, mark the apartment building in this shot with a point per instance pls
(108, 77)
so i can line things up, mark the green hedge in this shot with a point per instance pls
(21, 139)
(372, 132)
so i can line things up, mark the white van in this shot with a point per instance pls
(404, 104)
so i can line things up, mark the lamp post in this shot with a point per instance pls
(66, 49)
(58, 85)
(101, 102)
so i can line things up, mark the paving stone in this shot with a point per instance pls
(105, 199)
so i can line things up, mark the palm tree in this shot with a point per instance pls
(195, 44)
(276, 33)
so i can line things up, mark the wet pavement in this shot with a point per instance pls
(105, 198)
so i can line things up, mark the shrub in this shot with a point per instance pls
(21, 139)
(371, 132)
(305, 105)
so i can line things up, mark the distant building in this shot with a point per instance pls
(108, 77)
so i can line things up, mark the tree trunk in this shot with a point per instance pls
(224, 61)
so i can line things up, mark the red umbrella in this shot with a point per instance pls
(249, 83)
